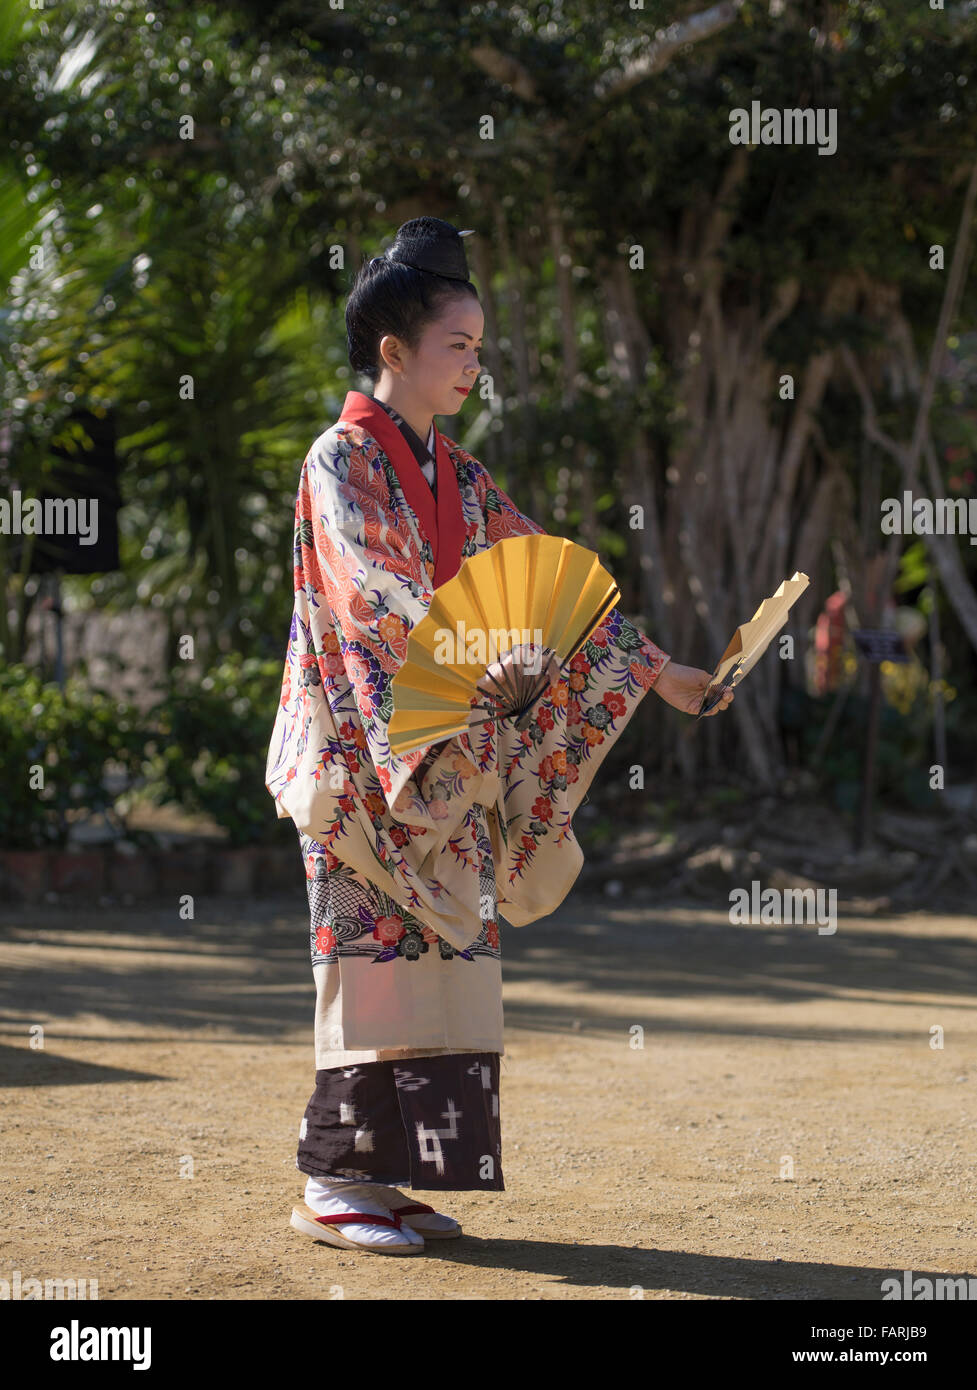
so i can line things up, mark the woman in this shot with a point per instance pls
(410, 860)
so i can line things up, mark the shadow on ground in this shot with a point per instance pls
(243, 967)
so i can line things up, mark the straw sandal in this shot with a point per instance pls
(323, 1228)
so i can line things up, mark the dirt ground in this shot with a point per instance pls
(786, 1131)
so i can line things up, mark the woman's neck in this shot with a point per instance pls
(419, 420)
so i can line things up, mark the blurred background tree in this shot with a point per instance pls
(186, 194)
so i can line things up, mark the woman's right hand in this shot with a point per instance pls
(512, 663)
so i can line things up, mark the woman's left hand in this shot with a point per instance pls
(683, 687)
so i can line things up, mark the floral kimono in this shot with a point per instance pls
(412, 860)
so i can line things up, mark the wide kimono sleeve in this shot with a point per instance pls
(503, 518)
(360, 587)
(545, 770)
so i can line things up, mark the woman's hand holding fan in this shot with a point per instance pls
(684, 688)
(509, 682)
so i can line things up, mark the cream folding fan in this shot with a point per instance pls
(533, 591)
(751, 640)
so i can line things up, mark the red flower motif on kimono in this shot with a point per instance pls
(577, 680)
(325, 940)
(573, 712)
(332, 664)
(383, 777)
(542, 809)
(374, 804)
(389, 930)
(580, 663)
(643, 674)
(599, 637)
(346, 804)
(527, 842)
(330, 643)
(392, 628)
(572, 773)
(492, 934)
(544, 718)
(429, 935)
(616, 703)
(545, 773)
(399, 836)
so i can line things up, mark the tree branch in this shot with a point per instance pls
(667, 42)
(505, 70)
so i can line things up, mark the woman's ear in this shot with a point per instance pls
(391, 354)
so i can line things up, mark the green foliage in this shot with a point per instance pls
(70, 744)
(201, 747)
(210, 736)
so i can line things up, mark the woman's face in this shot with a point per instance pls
(445, 365)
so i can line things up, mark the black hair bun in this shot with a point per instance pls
(427, 243)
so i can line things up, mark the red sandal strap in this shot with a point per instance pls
(364, 1217)
(412, 1207)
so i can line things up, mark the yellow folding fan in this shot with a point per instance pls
(523, 592)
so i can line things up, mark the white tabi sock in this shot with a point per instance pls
(330, 1198)
(421, 1221)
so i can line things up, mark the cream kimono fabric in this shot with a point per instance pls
(482, 830)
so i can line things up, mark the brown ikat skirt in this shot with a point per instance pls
(424, 1122)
